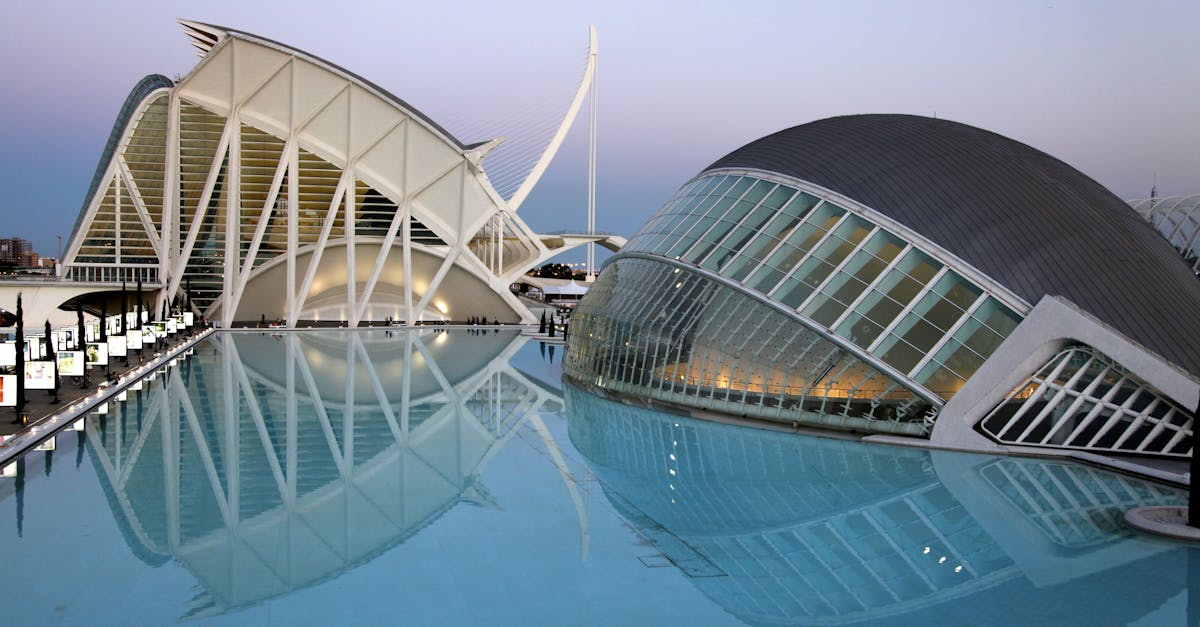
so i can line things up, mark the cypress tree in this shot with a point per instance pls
(20, 360)
(53, 362)
(79, 343)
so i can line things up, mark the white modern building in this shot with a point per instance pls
(268, 182)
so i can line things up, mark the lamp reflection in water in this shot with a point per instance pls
(269, 463)
(788, 529)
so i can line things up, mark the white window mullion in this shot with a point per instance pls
(686, 225)
(1104, 402)
(315, 260)
(1056, 399)
(200, 212)
(139, 206)
(783, 239)
(701, 240)
(908, 307)
(1118, 415)
(717, 245)
(838, 269)
(949, 334)
(871, 287)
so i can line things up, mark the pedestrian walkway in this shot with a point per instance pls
(39, 404)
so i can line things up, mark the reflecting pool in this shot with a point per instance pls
(447, 477)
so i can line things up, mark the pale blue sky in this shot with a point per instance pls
(1111, 88)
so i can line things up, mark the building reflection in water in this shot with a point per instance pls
(268, 463)
(265, 464)
(781, 529)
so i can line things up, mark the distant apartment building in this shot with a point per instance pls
(16, 252)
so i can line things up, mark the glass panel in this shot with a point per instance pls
(900, 354)
(940, 380)
(824, 259)
(734, 242)
(957, 290)
(860, 271)
(796, 246)
(698, 227)
(719, 230)
(861, 330)
(757, 192)
(767, 240)
(778, 197)
(801, 204)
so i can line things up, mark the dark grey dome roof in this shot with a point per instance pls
(1033, 223)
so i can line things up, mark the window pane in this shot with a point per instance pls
(778, 197)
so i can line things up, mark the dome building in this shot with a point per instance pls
(895, 274)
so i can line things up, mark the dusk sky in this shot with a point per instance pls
(1112, 88)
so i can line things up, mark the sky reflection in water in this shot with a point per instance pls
(361, 476)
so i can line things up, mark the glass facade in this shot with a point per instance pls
(653, 328)
(844, 274)
(1178, 219)
(1082, 399)
(117, 245)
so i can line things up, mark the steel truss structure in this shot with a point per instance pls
(270, 183)
(1178, 219)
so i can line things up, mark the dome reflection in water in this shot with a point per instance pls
(781, 528)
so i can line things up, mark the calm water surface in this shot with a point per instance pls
(448, 478)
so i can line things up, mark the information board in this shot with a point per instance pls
(97, 354)
(8, 354)
(160, 329)
(188, 319)
(149, 336)
(133, 341)
(62, 339)
(117, 346)
(172, 328)
(70, 363)
(39, 375)
(8, 390)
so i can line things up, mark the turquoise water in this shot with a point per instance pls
(448, 478)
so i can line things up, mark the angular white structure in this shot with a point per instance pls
(269, 182)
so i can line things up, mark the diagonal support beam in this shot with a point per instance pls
(315, 260)
(310, 383)
(140, 207)
(264, 220)
(201, 211)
